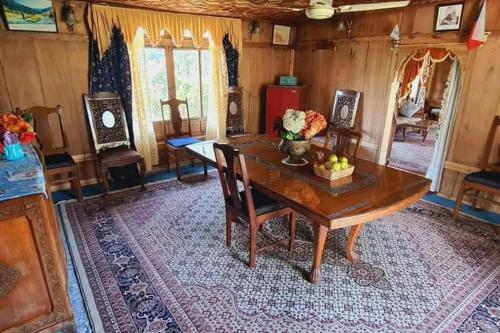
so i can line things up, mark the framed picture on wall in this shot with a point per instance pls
(282, 34)
(29, 15)
(448, 17)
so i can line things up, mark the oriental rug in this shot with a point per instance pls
(156, 261)
(410, 154)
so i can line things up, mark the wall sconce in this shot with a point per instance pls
(345, 25)
(396, 39)
(253, 28)
(68, 16)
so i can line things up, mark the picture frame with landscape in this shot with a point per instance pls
(29, 15)
(448, 17)
(282, 35)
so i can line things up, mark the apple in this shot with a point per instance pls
(345, 165)
(329, 165)
(333, 158)
(322, 166)
(337, 166)
(343, 159)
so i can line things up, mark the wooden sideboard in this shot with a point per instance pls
(33, 274)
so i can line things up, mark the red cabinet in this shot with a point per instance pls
(278, 100)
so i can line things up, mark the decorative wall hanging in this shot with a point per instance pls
(34, 15)
(282, 34)
(448, 17)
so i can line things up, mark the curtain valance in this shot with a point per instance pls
(102, 19)
(435, 54)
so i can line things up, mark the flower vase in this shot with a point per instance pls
(295, 151)
(13, 152)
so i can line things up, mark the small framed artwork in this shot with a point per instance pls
(282, 34)
(29, 15)
(448, 17)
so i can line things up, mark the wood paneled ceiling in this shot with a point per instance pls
(276, 10)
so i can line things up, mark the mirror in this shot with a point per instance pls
(108, 119)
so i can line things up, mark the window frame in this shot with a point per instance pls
(187, 44)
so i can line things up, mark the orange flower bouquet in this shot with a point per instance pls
(14, 131)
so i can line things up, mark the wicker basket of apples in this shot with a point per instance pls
(334, 168)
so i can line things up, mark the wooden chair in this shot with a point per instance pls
(250, 204)
(342, 139)
(487, 180)
(176, 139)
(110, 135)
(52, 141)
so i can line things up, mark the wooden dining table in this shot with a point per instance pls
(373, 191)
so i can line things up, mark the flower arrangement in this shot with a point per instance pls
(15, 129)
(299, 125)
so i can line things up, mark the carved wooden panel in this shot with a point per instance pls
(258, 9)
(235, 110)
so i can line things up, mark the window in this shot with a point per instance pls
(157, 84)
(191, 71)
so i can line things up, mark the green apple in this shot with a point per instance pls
(329, 165)
(344, 159)
(345, 165)
(333, 158)
(322, 166)
(337, 166)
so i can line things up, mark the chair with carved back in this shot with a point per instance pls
(110, 135)
(176, 137)
(340, 141)
(250, 205)
(485, 181)
(52, 142)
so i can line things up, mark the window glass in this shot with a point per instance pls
(187, 79)
(156, 77)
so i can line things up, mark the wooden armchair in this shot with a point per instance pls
(176, 139)
(110, 135)
(52, 141)
(342, 139)
(487, 180)
(250, 204)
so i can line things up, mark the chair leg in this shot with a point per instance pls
(229, 228)
(177, 166)
(142, 168)
(104, 177)
(77, 186)
(252, 248)
(168, 161)
(475, 199)
(205, 169)
(292, 220)
(458, 204)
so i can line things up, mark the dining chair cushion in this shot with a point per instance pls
(182, 142)
(262, 203)
(486, 178)
(409, 109)
(113, 156)
(59, 161)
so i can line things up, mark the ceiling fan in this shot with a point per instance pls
(324, 9)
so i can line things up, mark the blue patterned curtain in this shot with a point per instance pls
(112, 74)
(232, 58)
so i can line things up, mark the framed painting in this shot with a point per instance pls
(29, 15)
(448, 17)
(282, 35)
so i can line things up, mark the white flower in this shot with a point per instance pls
(294, 121)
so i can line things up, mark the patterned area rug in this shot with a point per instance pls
(156, 262)
(411, 155)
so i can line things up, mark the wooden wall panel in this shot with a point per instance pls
(259, 67)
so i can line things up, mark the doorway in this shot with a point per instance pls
(425, 100)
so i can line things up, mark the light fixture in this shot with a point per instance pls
(320, 13)
(69, 17)
(396, 39)
(348, 24)
(253, 28)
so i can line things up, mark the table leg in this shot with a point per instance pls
(425, 136)
(320, 233)
(352, 256)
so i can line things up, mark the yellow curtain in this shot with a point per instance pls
(144, 135)
(102, 18)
